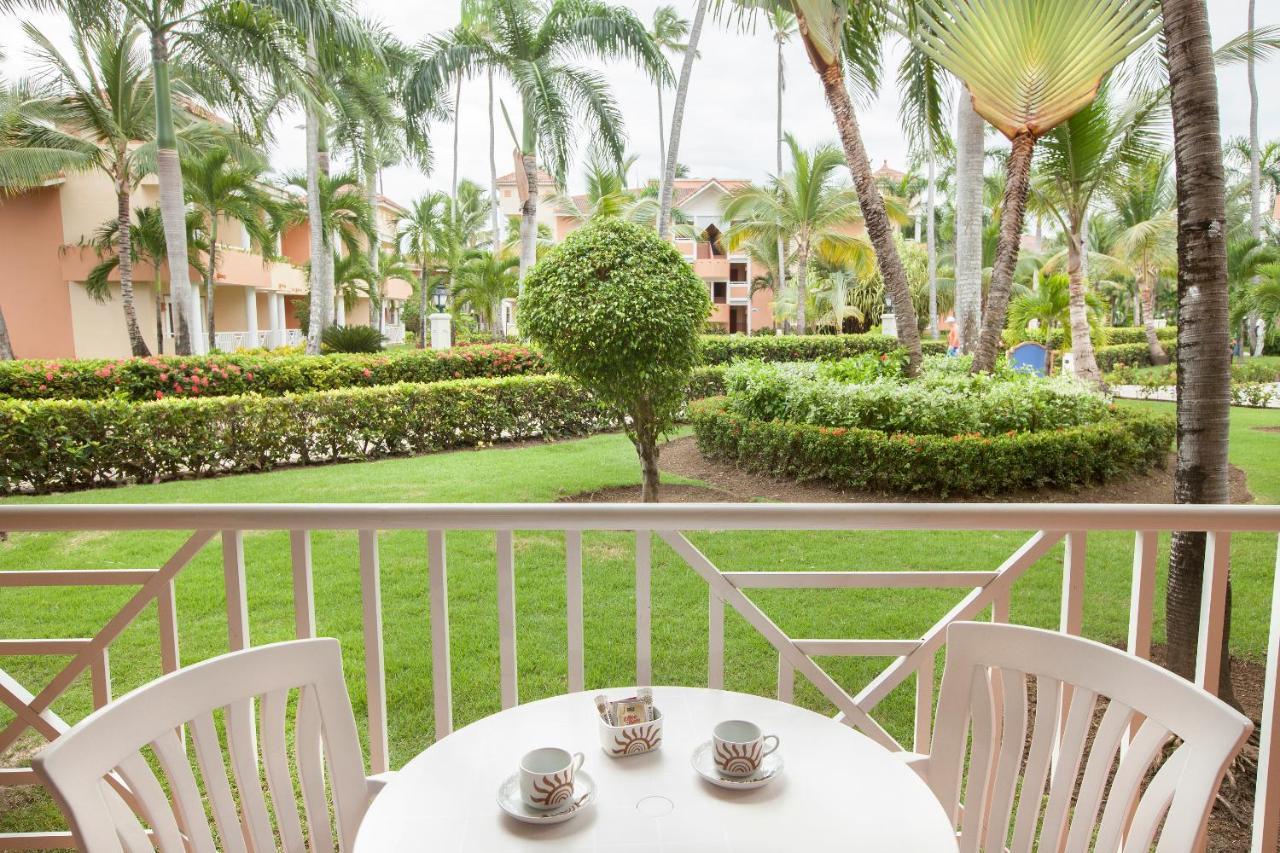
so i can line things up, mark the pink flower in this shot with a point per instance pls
(44, 387)
(48, 376)
(366, 373)
(159, 395)
(249, 376)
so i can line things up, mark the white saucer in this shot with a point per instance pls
(584, 794)
(704, 762)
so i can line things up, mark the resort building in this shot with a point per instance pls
(46, 243)
(728, 276)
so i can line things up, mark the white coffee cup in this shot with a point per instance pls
(740, 747)
(546, 777)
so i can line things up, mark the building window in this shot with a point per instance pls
(719, 292)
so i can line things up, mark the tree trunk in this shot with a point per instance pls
(318, 314)
(968, 237)
(124, 259)
(1255, 154)
(1014, 206)
(159, 312)
(662, 142)
(173, 209)
(1204, 353)
(782, 246)
(375, 245)
(1147, 291)
(209, 276)
(646, 444)
(802, 282)
(529, 217)
(931, 236)
(1085, 363)
(493, 175)
(457, 112)
(879, 229)
(422, 307)
(6, 346)
(667, 190)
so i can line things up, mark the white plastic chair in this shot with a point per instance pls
(982, 716)
(100, 775)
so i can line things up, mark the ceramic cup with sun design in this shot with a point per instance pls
(546, 777)
(739, 747)
(635, 739)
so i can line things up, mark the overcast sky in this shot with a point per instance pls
(729, 120)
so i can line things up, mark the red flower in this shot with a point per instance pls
(366, 373)
(164, 377)
(249, 376)
(44, 387)
(159, 395)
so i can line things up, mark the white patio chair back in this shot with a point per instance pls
(102, 777)
(1020, 798)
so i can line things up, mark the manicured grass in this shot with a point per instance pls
(545, 473)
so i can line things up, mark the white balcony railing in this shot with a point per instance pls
(912, 659)
(232, 341)
(739, 293)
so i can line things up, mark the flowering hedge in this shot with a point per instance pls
(162, 377)
(57, 445)
(1122, 441)
(722, 349)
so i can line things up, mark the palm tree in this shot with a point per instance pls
(483, 280)
(666, 184)
(391, 264)
(1145, 211)
(1053, 56)
(225, 190)
(1080, 159)
(423, 230)
(533, 45)
(606, 192)
(148, 247)
(804, 206)
(232, 45)
(344, 215)
(1245, 259)
(100, 106)
(970, 133)
(667, 33)
(1204, 355)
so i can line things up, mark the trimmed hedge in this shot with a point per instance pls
(57, 445)
(1133, 355)
(722, 349)
(940, 465)
(1111, 335)
(161, 377)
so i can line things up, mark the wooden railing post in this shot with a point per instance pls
(644, 607)
(1266, 803)
(507, 618)
(375, 676)
(573, 616)
(237, 596)
(715, 641)
(1213, 609)
(304, 596)
(441, 667)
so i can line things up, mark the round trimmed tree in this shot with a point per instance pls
(618, 309)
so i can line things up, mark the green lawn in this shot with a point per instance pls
(544, 473)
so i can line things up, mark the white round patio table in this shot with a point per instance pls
(838, 791)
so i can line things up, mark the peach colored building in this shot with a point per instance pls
(43, 240)
(728, 275)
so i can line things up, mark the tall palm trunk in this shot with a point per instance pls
(879, 229)
(318, 314)
(667, 193)
(6, 346)
(1085, 363)
(802, 282)
(209, 276)
(159, 313)
(933, 248)
(457, 116)
(124, 259)
(1011, 218)
(1204, 354)
(968, 277)
(1147, 293)
(662, 140)
(493, 174)
(173, 211)
(782, 248)
(375, 247)
(423, 286)
(1256, 340)
(529, 214)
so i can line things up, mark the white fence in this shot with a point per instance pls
(987, 588)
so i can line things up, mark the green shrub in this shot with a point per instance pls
(618, 309)
(936, 465)
(351, 339)
(938, 403)
(1133, 355)
(268, 374)
(1112, 335)
(58, 445)
(722, 349)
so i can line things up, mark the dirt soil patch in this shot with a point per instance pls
(681, 457)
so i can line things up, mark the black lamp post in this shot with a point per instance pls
(440, 297)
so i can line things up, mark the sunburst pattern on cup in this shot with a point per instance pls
(738, 758)
(636, 740)
(553, 789)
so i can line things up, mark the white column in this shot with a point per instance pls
(282, 315)
(340, 311)
(251, 315)
(273, 321)
(199, 344)
(441, 336)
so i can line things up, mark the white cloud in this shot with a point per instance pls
(729, 120)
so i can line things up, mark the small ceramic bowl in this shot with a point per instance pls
(621, 741)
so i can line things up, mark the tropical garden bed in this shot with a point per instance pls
(858, 424)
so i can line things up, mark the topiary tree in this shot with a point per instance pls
(615, 307)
